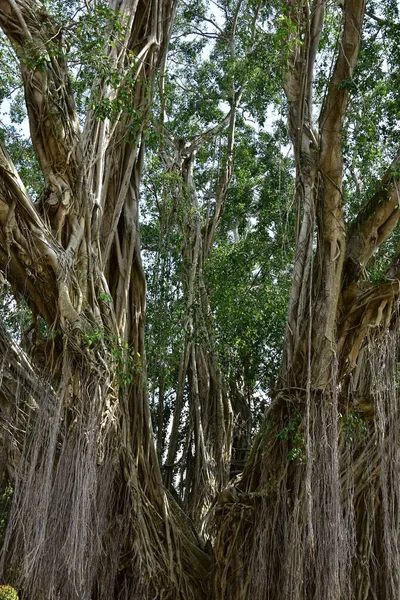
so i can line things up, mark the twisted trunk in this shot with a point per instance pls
(89, 515)
(208, 441)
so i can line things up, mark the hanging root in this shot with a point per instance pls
(82, 523)
(323, 494)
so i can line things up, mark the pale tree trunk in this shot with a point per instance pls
(207, 446)
(214, 420)
(315, 514)
(90, 516)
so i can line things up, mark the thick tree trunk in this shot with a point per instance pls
(89, 516)
(315, 512)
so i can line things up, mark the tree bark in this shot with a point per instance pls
(314, 513)
(89, 515)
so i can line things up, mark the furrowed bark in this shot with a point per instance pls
(298, 86)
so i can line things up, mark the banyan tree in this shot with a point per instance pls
(315, 513)
(90, 517)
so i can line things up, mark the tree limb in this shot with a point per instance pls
(373, 225)
(29, 254)
(39, 45)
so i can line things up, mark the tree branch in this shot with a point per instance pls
(38, 43)
(373, 224)
(29, 253)
(334, 108)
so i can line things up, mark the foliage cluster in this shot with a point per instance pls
(8, 593)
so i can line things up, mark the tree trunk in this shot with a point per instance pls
(315, 512)
(90, 516)
(206, 459)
